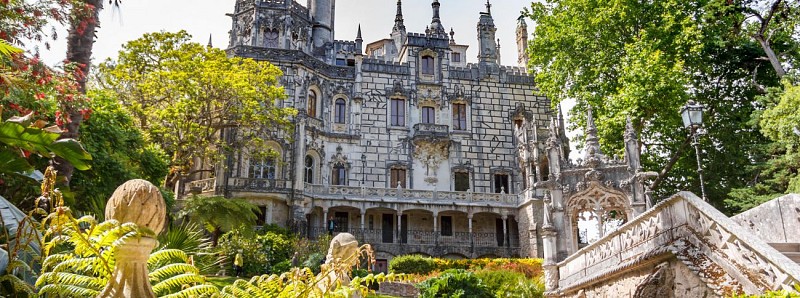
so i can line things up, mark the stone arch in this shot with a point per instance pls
(454, 256)
(312, 167)
(596, 209)
(313, 102)
(265, 164)
(341, 106)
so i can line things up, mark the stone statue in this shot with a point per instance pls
(342, 255)
(139, 202)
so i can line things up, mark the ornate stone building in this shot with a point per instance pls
(406, 145)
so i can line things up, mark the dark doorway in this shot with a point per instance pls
(403, 228)
(498, 224)
(341, 222)
(388, 228)
(381, 265)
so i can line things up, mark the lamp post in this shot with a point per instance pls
(692, 114)
(363, 168)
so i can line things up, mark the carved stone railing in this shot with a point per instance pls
(259, 185)
(202, 186)
(400, 194)
(727, 257)
(429, 129)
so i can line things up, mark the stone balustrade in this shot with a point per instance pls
(202, 186)
(400, 194)
(725, 256)
(430, 129)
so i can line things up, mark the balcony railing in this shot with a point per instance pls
(429, 129)
(201, 186)
(259, 185)
(421, 237)
(338, 191)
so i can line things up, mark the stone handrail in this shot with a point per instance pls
(202, 186)
(410, 194)
(431, 129)
(693, 231)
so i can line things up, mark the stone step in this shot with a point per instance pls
(794, 256)
(786, 247)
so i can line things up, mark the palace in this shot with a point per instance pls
(406, 145)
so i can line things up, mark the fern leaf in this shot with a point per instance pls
(171, 270)
(176, 282)
(17, 284)
(53, 290)
(71, 279)
(195, 291)
(166, 255)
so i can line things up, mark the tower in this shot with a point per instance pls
(436, 28)
(487, 51)
(322, 12)
(399, 28)
(522, 41)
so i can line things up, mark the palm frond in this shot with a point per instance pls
(53, 290)
(205, 290)
(72, 279)
(166, 255)
(170, 270)
(176, 282)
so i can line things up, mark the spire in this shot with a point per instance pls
(488, 7)
(359, 41)
(552, 139)
(487, 46)
(209, 41)
(398, 18)
(436, 23)
(522, 42)
(358, 35)
(452, 34)
(592, 154)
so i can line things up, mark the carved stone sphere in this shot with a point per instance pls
(140, 202)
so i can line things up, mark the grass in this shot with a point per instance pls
(221, 281)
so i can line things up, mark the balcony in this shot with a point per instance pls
(409, 195)
(259, 185)
(433, 243)
(429, 130)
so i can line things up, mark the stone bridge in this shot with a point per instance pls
(682, 247)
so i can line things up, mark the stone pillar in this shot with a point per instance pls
(399, 238)
(139, 202)
(505, 230)
(436, 228)
(324, 219)
(363, 218)
(471, 236)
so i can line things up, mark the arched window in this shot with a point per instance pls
(341, 111)
(427, 65)
(312, 104)
(339, 175)
(271, 38)
(263, 169)
(309, 178)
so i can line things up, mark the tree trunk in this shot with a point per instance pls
(773, 59)
(215, 236)
(80, 42)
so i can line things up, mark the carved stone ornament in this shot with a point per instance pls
(342, 253)
(431, 152)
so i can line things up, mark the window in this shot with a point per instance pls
(447, 226)
(428, 115)
(398, 178)
(263, 169)
(456, 57)
(312, 103)
(341, 62)
(398, 112)
(461, 181)
(459, 116)
(341, 109)
(339, 175)
(427, 65)
(518, 123)
(271, 38)
(309, 178)
(501, 183)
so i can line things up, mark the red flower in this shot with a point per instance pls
(40, 96)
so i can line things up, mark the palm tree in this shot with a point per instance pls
(218, 214)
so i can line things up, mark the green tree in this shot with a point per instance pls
(184, 95)
(119, 150)
(218, 214)
(645, 60)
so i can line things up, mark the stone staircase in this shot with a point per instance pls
(790, 250)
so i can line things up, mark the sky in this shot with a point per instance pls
(202, 18)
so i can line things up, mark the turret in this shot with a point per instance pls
(399, 28)
(359, 42)
(436, 28)
(322, 12)
(487, 51)
(522, 42)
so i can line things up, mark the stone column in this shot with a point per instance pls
(324, 220)
(471, 236)
(139, 202)
(436, 228)
(505, 230)
(363, 218)
(399, 238)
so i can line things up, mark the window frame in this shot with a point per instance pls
(339, 175)
(427, 65)
(308, 176)
(340, 112)
(456, 57)
(311, 105)
(397, 175)
(460, 116)
(498, 182)
(397, 112)
(430, 116)
(464, 175)
(263, 168)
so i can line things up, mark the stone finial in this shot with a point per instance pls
(140, 202)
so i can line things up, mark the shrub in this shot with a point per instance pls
(454, 283)
(281, 267)
(511, 284)
(413, 264)
(314, 261)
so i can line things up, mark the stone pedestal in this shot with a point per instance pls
(130, 274)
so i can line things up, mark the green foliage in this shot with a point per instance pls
(311, 253)
(219, 214)
(190, 239)
(412, 264)
(774, 294)
(645, 60)
(511, 283)
(120, 154)
(267, 252)
(454, 283)
(184, 94)
(19, 252)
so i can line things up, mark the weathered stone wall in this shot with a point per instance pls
(670, 279)
(529, 218)
(776, 221)
(398, 289)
